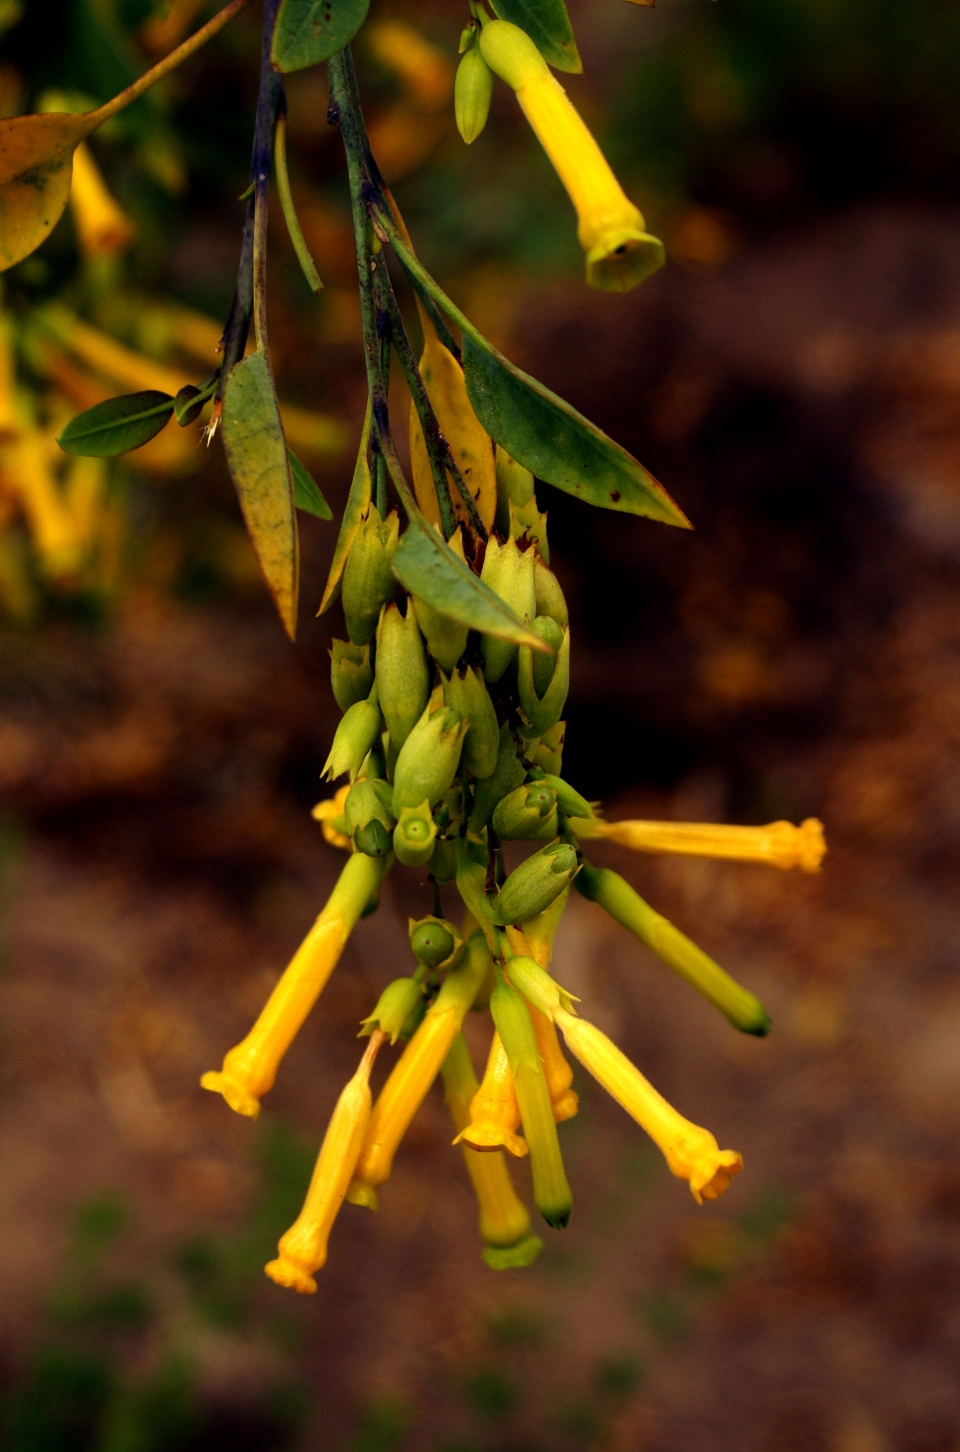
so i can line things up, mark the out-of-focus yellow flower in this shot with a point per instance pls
(425, 71)
(330, 811)
(779, 844)
(103, 227)
(303, 1249)
(691, 1152)
(612, 232)
(250, 1069)
(494, 1111)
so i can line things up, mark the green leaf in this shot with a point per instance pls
(310, 31)
(306, 493)
(428, 568)
(257, 459)
(357, 501)
(117, 425)
(548, 26)
(538, 429)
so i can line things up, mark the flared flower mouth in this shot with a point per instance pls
(623, 258)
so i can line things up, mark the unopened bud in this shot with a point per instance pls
(414, 835)
(468, 37)
(369, 818)
(428, 758)
(534, 885)
(506, 776)
(473, 90)
(396, 1003)
(368, 581)
(435, 943)
(351, 674)
(509, 572)
(514, 486)
(550, 599)
(403, 680)
(446, 638)
(443, 863)
(469, 697)
(356, 734)
(548, 751)
(570, 802)
(524, 812)
(542, 707)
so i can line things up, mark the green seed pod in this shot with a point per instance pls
(356, 734)
(414, 835)
(428, 759)
(547, 753)
(443, 863)
(510, 574)
(403, 679)
(471, 95)
(570, 802)
(507, 775)
(351, 673)
(543, 708)
(396, 1003)
(528, 523)
(524, 812)
(469, 697)
(538, 988)
(551, 1190)
(368, 580)
(446, 638)
(514, 486)
(550, 599)
(435, 943)
(534, 885)
(369, 821)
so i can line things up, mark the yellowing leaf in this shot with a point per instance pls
(36, 168)
(468, 440)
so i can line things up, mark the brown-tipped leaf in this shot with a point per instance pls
(36, 168)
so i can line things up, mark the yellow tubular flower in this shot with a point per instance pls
(102, 226)
(504, 1220)
(52, 527)
(303, 1249)
(327, 812)
(250, 1069)
(535, 939)
(494, 1116)
(612, 232)
(780, 844)
(691, 1152)
(414, 1072)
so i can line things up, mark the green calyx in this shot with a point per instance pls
(468, 696)
(397, 1002)
(543, 684)
(368, 580)
(505, 777)
(533, 885)
(355, 736)
(472, 93)
(538, 988)
(428, 759)
(525, 812)
(351, 674)
(403, 677)
(550, 599)
(369, 818)
(509, 572)
(414, 835)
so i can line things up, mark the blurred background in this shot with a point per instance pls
(793, 376)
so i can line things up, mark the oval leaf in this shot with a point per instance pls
(310, 31)
(306, 493)
(117, 425)
(257, 459)
(555, 442)
(428, 568)
(36, 167)
(548, 26)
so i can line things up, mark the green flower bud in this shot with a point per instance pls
(468, 38)
(446, 638)
(547, 753)
(435, 943)
(369, 820)
(528, 523)
(509, 572)
(414, 835)
(506, 776)
(469, 697)
(550, 599)
(542, 708)
(443, 863)
(534, 885)
(403, 679)
(570, 802)
(356, 734)
(428, 759)
(524, 812)
(471, 95)
(539, 988)
(514, 486)
(351, 673)
(368, 580)
(396, 1003)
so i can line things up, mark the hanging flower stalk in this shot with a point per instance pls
(454, 675)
